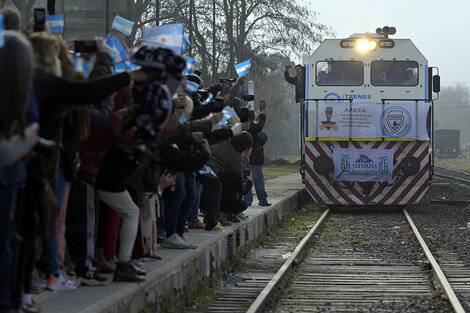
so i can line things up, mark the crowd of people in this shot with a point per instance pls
(97, 172)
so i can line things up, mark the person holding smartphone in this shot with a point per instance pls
(298, 81)
(257, 156)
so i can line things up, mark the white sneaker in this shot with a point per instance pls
(189, 243)
(174, 242)
(60, 283)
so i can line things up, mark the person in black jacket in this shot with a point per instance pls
(257, 158)
(298, 81)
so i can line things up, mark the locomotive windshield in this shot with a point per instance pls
(340, 73)
(394, 73)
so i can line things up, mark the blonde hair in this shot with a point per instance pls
(46, 48)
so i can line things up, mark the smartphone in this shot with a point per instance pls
(39, 19)
(248, 97)
(85, 46)
(262, 105)
(288, 66)
(197, 137)
(219, 105)
(226, 85)
(243, 115)
(174, 85)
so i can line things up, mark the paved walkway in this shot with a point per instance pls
(180, 268)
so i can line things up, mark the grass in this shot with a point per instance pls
(273, 171)
(461, 165)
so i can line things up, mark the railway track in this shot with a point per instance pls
(451, 174)
(322, 275)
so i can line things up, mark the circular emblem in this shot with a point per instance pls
(395, 122)
(332, 97)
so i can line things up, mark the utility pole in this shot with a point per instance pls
(106, 17)
(213, 41)
(190, 26)
(157, 12)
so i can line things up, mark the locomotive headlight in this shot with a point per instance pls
(362, 45)
(365, 45)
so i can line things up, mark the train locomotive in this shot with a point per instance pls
(367, 121)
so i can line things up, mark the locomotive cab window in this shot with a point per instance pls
(339, 73)
(394, 73)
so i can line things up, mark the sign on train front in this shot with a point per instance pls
(363, 165)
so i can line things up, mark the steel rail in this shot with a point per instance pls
(453, 177)
(436, 268)
(271, 287)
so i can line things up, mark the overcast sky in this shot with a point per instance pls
(439, 28)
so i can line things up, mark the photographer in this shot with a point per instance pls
(228, 156)
(298, 81)
(257, 158)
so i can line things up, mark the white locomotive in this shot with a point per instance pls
(367, 121)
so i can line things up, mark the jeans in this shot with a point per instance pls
(194, 215)
(258, 181)
(179, 203)
(51, 245)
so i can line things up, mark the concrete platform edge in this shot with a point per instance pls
(196, 264)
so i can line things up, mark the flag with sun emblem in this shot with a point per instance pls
(170, 36)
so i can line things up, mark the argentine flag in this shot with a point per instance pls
(122, 25)
(168, 36)
(186, 43)
(125, 66)
(2, 27)
(243, 68)
(118, 53)
(190, 64)
(55, 22)
(80, 64)
(208, 99)
(191, 86)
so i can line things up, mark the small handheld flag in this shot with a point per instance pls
(207, 170)
(243, 68)
(55, 22)
(208, 99)
(122, 25)
(191, 86)
(168, 36)
(125, 66)
(80, 64)
(186, 43)
(118, 53)
(2, 27)
(190, 64)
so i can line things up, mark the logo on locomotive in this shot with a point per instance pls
(364, 165)
(395, 122)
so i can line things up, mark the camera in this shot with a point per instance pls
(85, 46)
(288, 66)
(39, 20)
(248, 97)
(45, 147)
